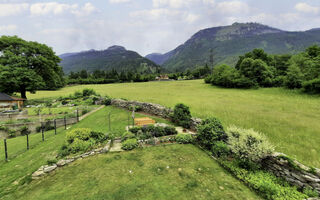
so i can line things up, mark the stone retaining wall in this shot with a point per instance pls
(293, 172)
(45, 169)
(150, 108)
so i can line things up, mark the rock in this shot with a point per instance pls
(310, 179)
(221, 188)
(48, 169)
(61, 163)
(37, 174)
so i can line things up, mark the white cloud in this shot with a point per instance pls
(176, 3)
(306, 8)
(51, 8)
(56, 8)
(232, 7)
(119, 1)
(8, 28)
(12, 9)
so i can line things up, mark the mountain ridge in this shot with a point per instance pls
(114, 57)
(224, 44)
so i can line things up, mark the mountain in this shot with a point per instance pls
(115, 57)
(224, 45)
(159, 58)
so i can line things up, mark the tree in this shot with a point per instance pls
(294, 77)
(28, 66)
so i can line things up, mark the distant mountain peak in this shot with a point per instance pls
(116, 47)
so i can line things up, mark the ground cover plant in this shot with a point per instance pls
(165, 172)
(289, 119)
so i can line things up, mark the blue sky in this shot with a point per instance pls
(145, 26)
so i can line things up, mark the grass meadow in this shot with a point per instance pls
(100, 177)
(290, 119)
(162, 172)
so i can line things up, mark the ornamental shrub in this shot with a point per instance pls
(170, 130)
(24, 130)
(220, 149)
(209, 132)
(107, 101)
(135, 130)
(248, 144)
(79, 133)
(184, 138)
(80, 140)
(181, 115)
(88, 92)
(127, 135)
(129, 144)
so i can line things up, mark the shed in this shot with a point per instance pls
(8, 102)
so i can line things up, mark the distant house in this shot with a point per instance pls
(164, 77)
(7, 102)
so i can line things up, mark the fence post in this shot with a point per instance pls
(5, 149)
(109, 121)
(77, 115)
(128, 120)
(55, 127)
(65, 123)
(27, 141)
(42, 131)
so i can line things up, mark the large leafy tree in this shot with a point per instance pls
(28, 66)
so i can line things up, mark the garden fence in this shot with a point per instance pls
(42, 128)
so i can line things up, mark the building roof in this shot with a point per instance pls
(5, 97)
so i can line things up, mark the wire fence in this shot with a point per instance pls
(48, 129)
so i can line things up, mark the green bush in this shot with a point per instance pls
(310, 192)
(12, 133)
(79, 133)
(265, 183)
(220, 149)
(79, 145)
(170, 130)
(312, 86)
(135, 130)
(88, 92)
(52, 161)
(107, 101)
(181, 115)
(129, 144)
(184, 138)
(24, 130)
(209, 132)
(127, 135)
(77, 94)
(80, 140)
(4, 128)
(248, 144)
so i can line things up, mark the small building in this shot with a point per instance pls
(163, 77)
(10, 103)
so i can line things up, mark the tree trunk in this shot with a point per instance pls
(23, 93)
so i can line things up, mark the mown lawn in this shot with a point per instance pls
(290, 119)
(163, 172)
(22, 163)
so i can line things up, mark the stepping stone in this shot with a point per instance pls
(116, 147)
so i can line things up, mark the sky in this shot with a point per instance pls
(145, 26)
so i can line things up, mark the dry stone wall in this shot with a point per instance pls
(150, 108)
(293, 172)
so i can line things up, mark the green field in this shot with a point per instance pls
(102, 175)
(163, 172)
(290, 119)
